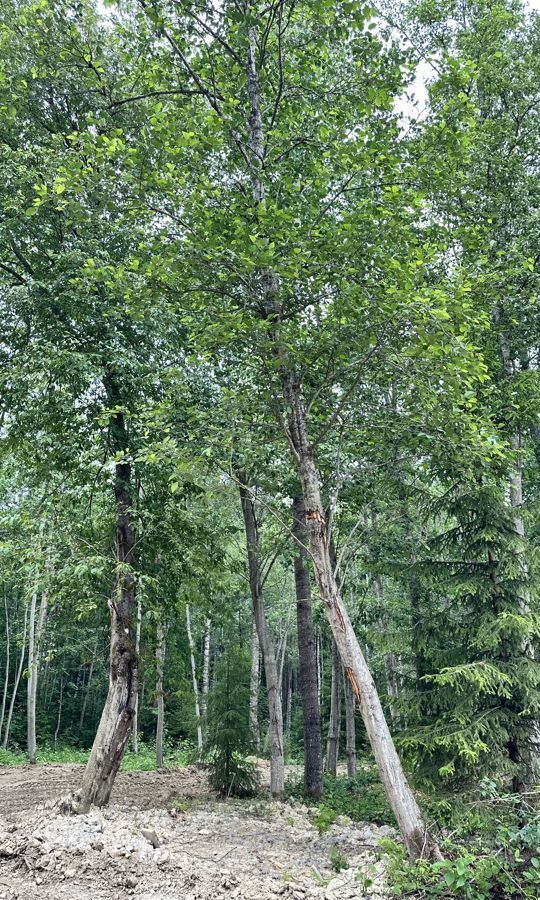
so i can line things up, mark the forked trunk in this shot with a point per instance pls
(334, 722)
(275, 728)
(307, 660)
(117, 717)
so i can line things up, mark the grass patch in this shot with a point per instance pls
(360, 798)
(143, 761)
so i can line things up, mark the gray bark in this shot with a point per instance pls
(254, 687)
(275, 728)
(350, 727)
(34, 645)
(135, 726)
(334, 722)
(161, 646)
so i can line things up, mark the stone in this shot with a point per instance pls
(151, 837)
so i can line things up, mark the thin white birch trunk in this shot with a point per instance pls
(194, 680)
(206, 668)
(16, 682)
(254, 688)
(6, 675)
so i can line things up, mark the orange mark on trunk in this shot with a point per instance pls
(354, 684)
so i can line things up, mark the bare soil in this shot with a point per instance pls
(165, 837)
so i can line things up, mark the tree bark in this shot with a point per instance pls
(206, 668)
(389, 660)
(135, 726)
(59, 716)
(161, 646)
(16, 682)
(87, 688)
(117, 717)
(275, 730)
(334, 722)
(194, 680)
(6, 674)
(254, 688)
(350, 727)
(307, 661)
(34, 644)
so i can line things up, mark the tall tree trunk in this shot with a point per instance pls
(402, 801)
(350, 727)
(254, 688)
(275, 731)
(161, 646)
(16, 682)
(206, 668)
(334, 722)
(6, 674)
(34, 645)
(87, 688)
(117, 717)
(59, 716)
(135, 726)
(389, 659)
(307, 660)
(194, 680)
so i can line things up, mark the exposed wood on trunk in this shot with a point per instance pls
(275, 729)
(161, 646)
(194, 680)
(350, 727)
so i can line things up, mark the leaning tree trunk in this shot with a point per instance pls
(194, 680)
(117, 717)
(160, 665)
(275, 730)
(307, 657)
(334, 722)
(413, 830)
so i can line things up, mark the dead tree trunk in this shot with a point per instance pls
(117, 717)
(161, 646)
(275, 731)
(307, 657)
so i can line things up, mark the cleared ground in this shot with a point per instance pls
(165, 837)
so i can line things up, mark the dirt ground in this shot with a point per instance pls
(165, 837)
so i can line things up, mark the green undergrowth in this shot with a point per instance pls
(491, 848)
(361, 799)
(143, 761)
